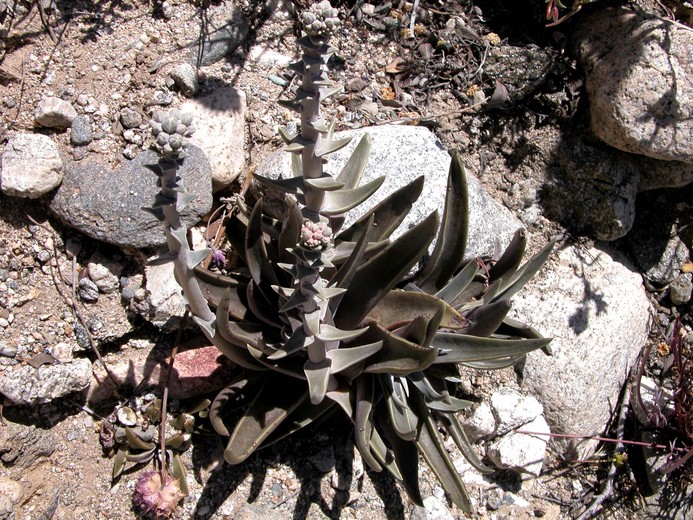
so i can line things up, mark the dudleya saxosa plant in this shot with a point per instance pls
(319, 318)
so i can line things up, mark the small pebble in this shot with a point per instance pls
(7, 350)
(88, 290)
(81, 131)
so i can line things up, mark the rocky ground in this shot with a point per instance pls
(491, 82)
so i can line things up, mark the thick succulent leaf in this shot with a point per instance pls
(525, 273)
(302, 416)
(328, 92)
(291, 231)
(485, 319)
(290, 104)
(238, 333)
(178, 472)
(234, 391)
(292, 185)
(277, 398)
(141, 457)
(398, 307)
(330, 333)
(363, 419)
(291, 366)
(406, 456)
(456, 431)
(458, 283)
(460, 348)
(256, 252)
(345, 274)
(495, 364)
(384, 455)
(375, 278)
(343, 250)
(437, 458)
(451, 242)
(119, 462)
(351, 173)
(262, 308)
(402, 419)
(324, 183)
(135, 442)
(511, 258)
(387, 215)
(297, 341)
(318, 376)
(296, 165)
(453, 404)
(328, 146)
(397, 356)
(231, 351)
(341, 201)
(414, 331)
(346, 357)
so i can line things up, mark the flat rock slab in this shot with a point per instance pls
(639, 82)
(401, 154)
(26, 385)
(596, 309)
(107, 204)
(220, 132)
(31, 166)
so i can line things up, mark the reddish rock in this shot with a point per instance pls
(198, 369)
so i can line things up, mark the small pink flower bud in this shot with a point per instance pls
(156, 498)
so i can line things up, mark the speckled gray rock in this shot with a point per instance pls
(80, 132)
(130, 118)
(681, 289)
(220, 132)
(184, 76)
(104, 272)
(21, 446)
(402, 153)
(520, 69)
(31, 166)
(593, 305)
(654, 244)
(54, 112)
(166, 305)
(639, 82)
(655, 174)
(593, 188)
(107, 204)
(26, 385)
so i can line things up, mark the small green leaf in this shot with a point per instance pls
(387, 215)
(327, 146)
(399, 307)
(363, 420)
(341, 201)
(345, 357)
(375, 278)
(456, 431)
(511, 258)
(178, 472)
(351, 173)
(276, 399)
(317, 375)
(459, 283)
(119, 461)
(437, 458)
(525, 273)
(460, 348)
(451, 242)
